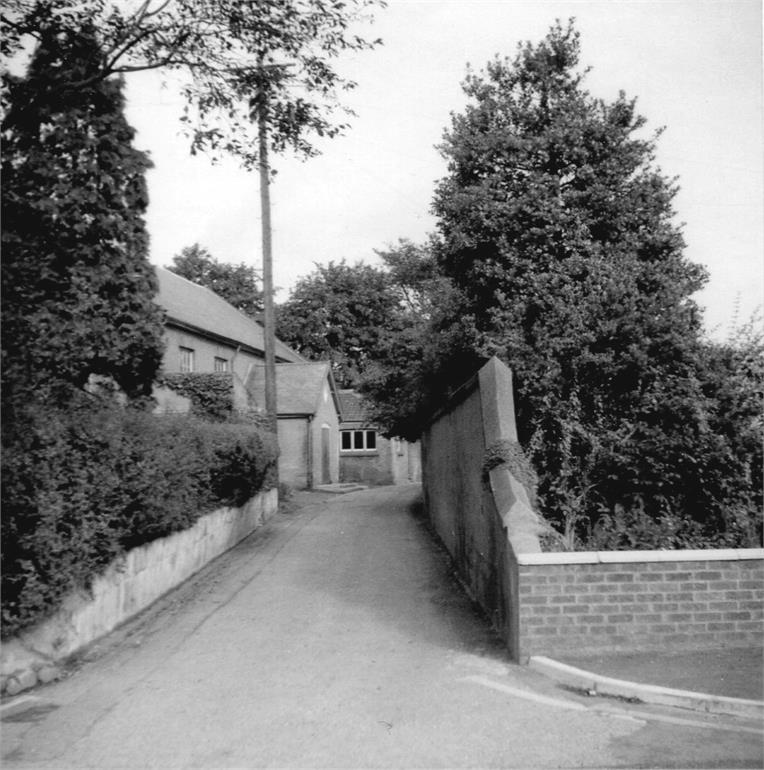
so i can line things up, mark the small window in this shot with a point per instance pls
(358, 441)
(186, 359)
(221, 364)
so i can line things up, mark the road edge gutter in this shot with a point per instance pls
(647, 693)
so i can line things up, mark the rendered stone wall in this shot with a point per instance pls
(453, 449)
(293, 451)
(479, 519)
(129, 585)
(326, 417)
(205, 352)
(585, 603)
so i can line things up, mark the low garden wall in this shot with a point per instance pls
(130, 584)
(582, 603)
(579, 603)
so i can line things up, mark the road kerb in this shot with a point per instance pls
(647, 693)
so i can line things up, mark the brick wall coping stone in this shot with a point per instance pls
(622, 557)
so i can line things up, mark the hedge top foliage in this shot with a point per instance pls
(80, 486)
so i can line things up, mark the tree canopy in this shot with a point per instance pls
(557, 233)
(407, 376)
(230, 53)
(339, 313)
(77, 288)
(237, 284)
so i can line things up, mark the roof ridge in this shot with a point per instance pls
(216, 295)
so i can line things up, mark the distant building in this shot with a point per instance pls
(204, 333)
(308, 421)
(366, 456)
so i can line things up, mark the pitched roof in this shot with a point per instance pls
(351, 407)
(189, 304)
(298, 386)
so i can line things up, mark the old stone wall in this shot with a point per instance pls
(129, 585)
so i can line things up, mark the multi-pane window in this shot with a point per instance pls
(221, 364)
(358, 440)
(186, 359)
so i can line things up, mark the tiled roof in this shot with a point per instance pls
(189, 303)
(351, 408)
(298, 386)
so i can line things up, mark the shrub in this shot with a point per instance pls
(82, 486)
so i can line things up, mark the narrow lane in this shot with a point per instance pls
(333, 637)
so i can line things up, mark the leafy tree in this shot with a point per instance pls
(236, 284)
(229, 51)
(77, 287)
(339, 313)
(557, 233)
(424, 350)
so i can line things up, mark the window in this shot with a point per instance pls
(221, 364)
(186, 359)
(358, 441)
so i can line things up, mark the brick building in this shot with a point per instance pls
(366, 456)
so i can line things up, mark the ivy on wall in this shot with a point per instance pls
(510, 455)
(211, 393)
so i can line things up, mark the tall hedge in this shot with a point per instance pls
(85, 484)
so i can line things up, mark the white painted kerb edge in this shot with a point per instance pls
(648, 693)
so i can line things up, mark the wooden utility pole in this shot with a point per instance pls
(271, 408)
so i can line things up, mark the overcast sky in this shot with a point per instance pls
(695, 67)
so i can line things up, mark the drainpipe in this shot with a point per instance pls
(309, 451)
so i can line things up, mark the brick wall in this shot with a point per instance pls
(558, 603)
(639, 601)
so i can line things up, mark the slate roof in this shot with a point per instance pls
(193, 306)
(298, 386)
(351, 409)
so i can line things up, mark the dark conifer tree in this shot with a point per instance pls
(77, 287)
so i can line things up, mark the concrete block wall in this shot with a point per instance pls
(129, 585)
(586, 603)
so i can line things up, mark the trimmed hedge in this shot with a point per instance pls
(82, 486)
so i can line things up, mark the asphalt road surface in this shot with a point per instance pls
(336, 636)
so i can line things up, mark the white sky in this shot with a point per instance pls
(694, 65)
